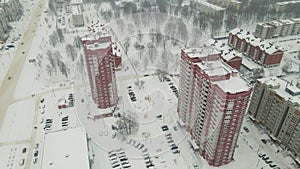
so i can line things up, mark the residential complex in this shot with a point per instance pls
(275, 104)
(212, 101)
(278, 28)
(255, 48)
(100, 62)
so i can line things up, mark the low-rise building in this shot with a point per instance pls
(77, 16)
(66, 149)
(255, 48)
(275, 104)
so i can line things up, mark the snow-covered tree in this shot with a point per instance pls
(126, 125)
(71, 52)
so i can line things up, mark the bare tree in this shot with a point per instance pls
(71, 52)
(126, 125)
(60, 35)
(126, 45)
(53, 39)
(77, 42)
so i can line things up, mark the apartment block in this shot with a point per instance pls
(208, 8)
(255, 48)
(212, 102)
(275, 104)
(278, 28)
(100, 63)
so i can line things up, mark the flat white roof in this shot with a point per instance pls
(76, 10)
(66, 149)
(274, 81)
(212, 6)
(215, 68)
(76, 2)
(234, 84)
(200, 52)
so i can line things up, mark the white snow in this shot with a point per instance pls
(66, 149)
(18, 121)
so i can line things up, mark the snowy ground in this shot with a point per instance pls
(24, 122)
(17, 125)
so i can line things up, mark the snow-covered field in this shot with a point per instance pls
(18, 122)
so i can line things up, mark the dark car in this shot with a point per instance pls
(36, 153)
(246, 129)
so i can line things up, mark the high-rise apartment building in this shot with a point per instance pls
(212, 101)
(275, 104)
(100, 63)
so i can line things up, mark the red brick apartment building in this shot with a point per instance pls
(212, 102)
(101, 63)
(266, 54)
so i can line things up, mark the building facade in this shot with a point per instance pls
(100, 63)
(275, 104)
(278, 28)
(212, 101)
(255, 48)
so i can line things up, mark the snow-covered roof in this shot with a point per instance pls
(65, 149)
(234, 84)
(264, 45)
(215, 68)
(281, 90)
(200, 52)
(96, 46)
(95, 36)
(287, 2)
(209, 5)
(76, 2)
(287, 21)
(76, 10)
(226, 51)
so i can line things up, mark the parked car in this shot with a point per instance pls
(246, 129)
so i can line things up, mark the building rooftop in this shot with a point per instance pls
(287, 21)
(281, 90)
(287, 2)
(73, 2)
(65, 149)
(212, 6)
(234, 84)
(226, 51)
(95, 36)
(215, 68)
(76, 10)
(200, 52)
(264, 45)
